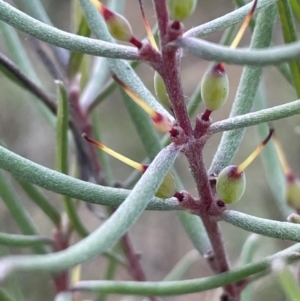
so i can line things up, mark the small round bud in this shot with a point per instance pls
(167, 188)
(179, 10)
(231, 184)
(160, 91)
(118, 26)
(293, 193)
(215, 87)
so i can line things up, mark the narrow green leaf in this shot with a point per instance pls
(15, 240)
(195, 230)
(60, 38)
(296, 8)
(77, 57)
(170, 288)
(287, 280)
(108, 233)
(62, 155)
(40, 199)
(262, 226)
(20, 58)
(120, 67)
(18, 211)
(290, 35)
(246, 91)
(17, 52)
(62, 128)
(260, 116)
(66, 185)
(227, 20)
(13, 282)
(261, 57)
(283, 68)
(249, 248)
(36, 9)
(273, 169)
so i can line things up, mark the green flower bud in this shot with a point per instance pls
(293, 193)
(215, 87)
(160, 91)
(231, 184)
(119, 28)
(167, 188)
(117, 25)
(179, 10)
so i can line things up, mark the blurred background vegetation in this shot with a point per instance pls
(158, 236)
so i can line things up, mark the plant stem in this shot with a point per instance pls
(290, 35)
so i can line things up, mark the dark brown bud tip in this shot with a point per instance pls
(179, 196)
(176, 25)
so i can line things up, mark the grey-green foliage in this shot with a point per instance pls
(130, 204)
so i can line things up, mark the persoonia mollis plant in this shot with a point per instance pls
(84, 176)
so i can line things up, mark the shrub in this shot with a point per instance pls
(74, 112)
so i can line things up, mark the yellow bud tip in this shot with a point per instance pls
(161, 122)
(282, 159)
(147, 27)
(255, 153)
(98, 5)
(111, 152)
(244, 26)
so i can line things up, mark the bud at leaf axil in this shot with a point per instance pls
(179, 10)
(119, 28)
(293, 193)
(215, 87)
(117, 25)
(160, 91)
(167, 188)
(231, 184)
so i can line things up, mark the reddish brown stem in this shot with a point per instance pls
(206, 115)
(136, 269)
(61, 242)
(169, 70)
(138, 44)
(162, 17)
(82, 122)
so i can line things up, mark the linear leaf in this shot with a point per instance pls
(15, 240)
(170, 288)
(265, 227)
(120, 67)
(63, 184)
(62, 154)
(246, 92)
(227, 20)
(290, 35)
(109, 232)
(17, 210)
